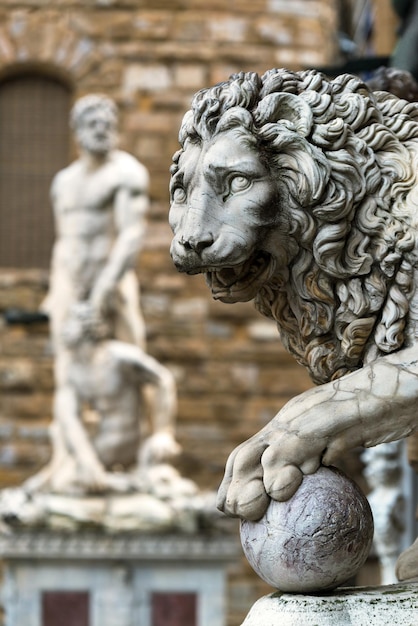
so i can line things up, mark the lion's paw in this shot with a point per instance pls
(266, 466)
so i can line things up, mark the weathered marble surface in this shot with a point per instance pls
(362, 606)
(316, 540)
(300, 193)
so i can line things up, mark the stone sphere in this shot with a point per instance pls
(315, 541)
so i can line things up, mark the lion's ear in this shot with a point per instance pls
(285, 107)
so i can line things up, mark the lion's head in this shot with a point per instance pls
(298, 191)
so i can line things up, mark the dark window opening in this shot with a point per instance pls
(65, 608)
(34, 145)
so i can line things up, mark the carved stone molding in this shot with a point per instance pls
(31, 544)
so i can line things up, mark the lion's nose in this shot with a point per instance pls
(197, 244)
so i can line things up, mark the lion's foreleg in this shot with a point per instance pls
(370, 406)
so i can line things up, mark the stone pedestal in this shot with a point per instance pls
(91, 579)
(362, 606)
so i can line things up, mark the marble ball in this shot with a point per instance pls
(315, 541)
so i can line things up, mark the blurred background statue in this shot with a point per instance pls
(114, 411)
(101, 380)
(383, 472)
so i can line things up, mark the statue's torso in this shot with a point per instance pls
(84, 205)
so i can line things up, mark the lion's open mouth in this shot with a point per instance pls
(240, 283)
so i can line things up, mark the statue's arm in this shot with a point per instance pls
(130, 208)
(374, 404)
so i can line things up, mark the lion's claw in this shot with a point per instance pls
(245, 500)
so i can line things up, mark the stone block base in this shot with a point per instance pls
(362, 606)
(96, 579)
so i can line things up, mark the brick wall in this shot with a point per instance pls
(151, 56)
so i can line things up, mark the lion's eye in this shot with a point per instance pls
(179, 195)
(239, 183)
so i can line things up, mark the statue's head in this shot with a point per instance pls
(94, 120)
(296, 191)
(242, 141)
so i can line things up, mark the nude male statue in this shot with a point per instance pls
(99, 203)
(101, 378)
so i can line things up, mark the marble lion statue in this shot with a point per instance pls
(300, 192)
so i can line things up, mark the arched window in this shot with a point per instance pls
(34, 145)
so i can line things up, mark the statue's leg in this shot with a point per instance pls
(42, 480)
(57, 305)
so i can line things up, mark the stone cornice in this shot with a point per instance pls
(100, 546)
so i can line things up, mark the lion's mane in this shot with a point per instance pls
(350, 185)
